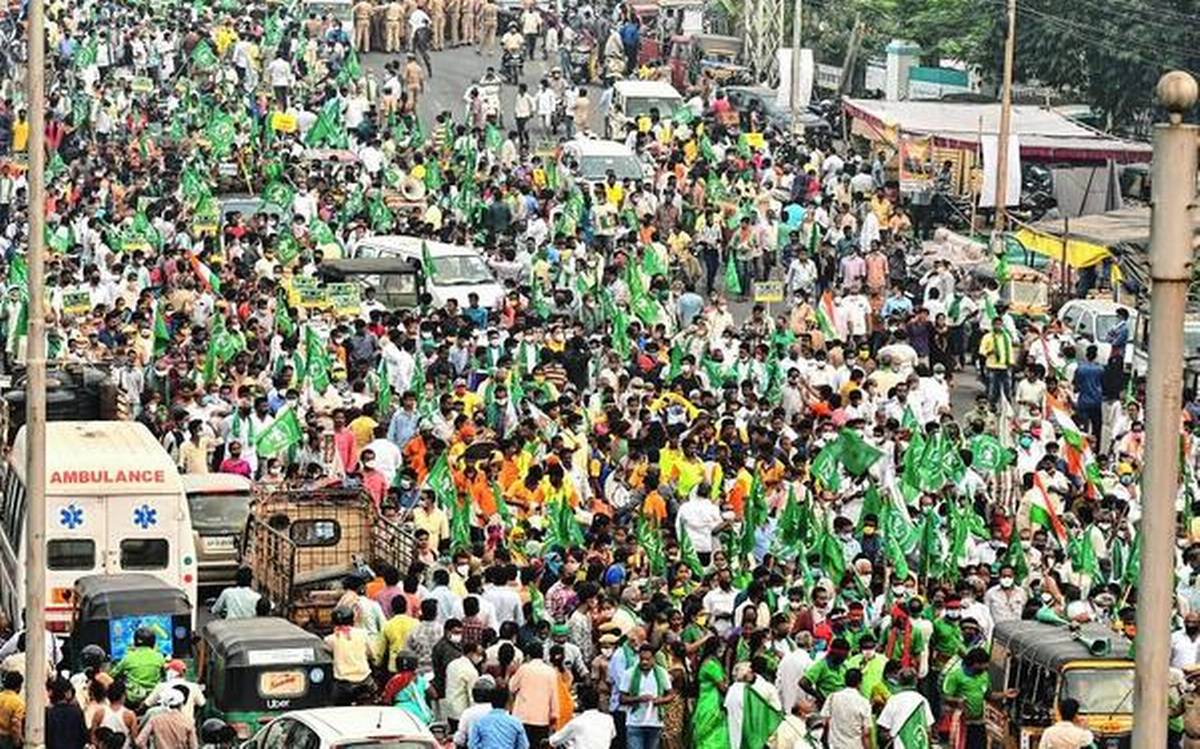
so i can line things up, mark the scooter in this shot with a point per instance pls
(512, 67)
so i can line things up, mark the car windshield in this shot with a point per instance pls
(219, 513)
(1100, 691)
(459, 270)
(595, 168)
(637, 106)
(1105, 323)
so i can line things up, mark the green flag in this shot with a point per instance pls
(380, 215)
(202, 56)
(833, 555)
(1083, 554)
(1014, 557)
(987, 454)
(278, 193)
(733, 286)
(825, 466)
(501, 505)
(857, 456)
(441, 483)
(317, 363)
(162, 336)
(383, 399)
(351, 71)
(650, 540)
(754, 514)
(913, 733)
(220, 132)
(759, 719)
(460, 525)
(282, 433)
(283, 320)
(688, 555)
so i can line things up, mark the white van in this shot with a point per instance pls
(632, 99)
(114, 503)
(457, 271)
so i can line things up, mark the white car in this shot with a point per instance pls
(596, 158)
(1092, 319)
(457, 271)
(344, 728)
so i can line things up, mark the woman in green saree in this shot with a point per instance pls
(709, 729)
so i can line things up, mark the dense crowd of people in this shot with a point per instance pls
(650, 511)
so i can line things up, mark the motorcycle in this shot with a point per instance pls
(512, 67)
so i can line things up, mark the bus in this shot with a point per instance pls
(114, 503)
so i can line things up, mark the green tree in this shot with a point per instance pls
(1109, 53)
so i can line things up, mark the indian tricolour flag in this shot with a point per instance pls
(1042, 512)
(827, 317)
(1081, 461)
(206, 275)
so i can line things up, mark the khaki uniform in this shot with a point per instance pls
(437, 17)
(362, 25)
(469, 16)
(393, 26)
(414, 80)
(489, 18)
(452, 11)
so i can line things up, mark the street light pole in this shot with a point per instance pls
(35, 392)
(1010, 44)
(1172, 198)
(797, 27)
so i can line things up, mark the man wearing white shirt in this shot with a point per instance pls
(904, 706)
(461, 675)
(700, 519)
(1186, 642)
(590, 728)
(791, 669)
(505, 600)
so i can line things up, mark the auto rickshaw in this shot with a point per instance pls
(256, 669)
(1047, 663)
(109, 609)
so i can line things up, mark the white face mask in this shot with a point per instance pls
(1006, 582)
(462, 570)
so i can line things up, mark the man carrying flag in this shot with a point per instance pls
(906, 717)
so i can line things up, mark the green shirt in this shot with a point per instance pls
(143, 667)
(825, 678)
(972, 690)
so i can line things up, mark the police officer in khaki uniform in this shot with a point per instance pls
(489, 19)
(437, 14)
(470, 21)
(362, 25)
(452, 11)
(393, 26)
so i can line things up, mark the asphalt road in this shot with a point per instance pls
(455, 70)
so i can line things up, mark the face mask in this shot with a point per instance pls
(898, 592)
(868, 654)
(1006, 582)
(454, 638)
(953, 615)
(462, 570)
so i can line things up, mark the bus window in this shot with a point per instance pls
(71, 554)
(144, 554)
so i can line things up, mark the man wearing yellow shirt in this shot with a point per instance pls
(363, 427)
(20, 132)
(395, 633)
(428, 517)
(996, 348)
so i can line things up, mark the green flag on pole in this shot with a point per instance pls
(760, 719)
(283, 432)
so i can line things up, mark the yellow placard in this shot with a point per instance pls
(768, 291)
(77, 302)
(282, 122)
(756, 140)
(345, 298)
